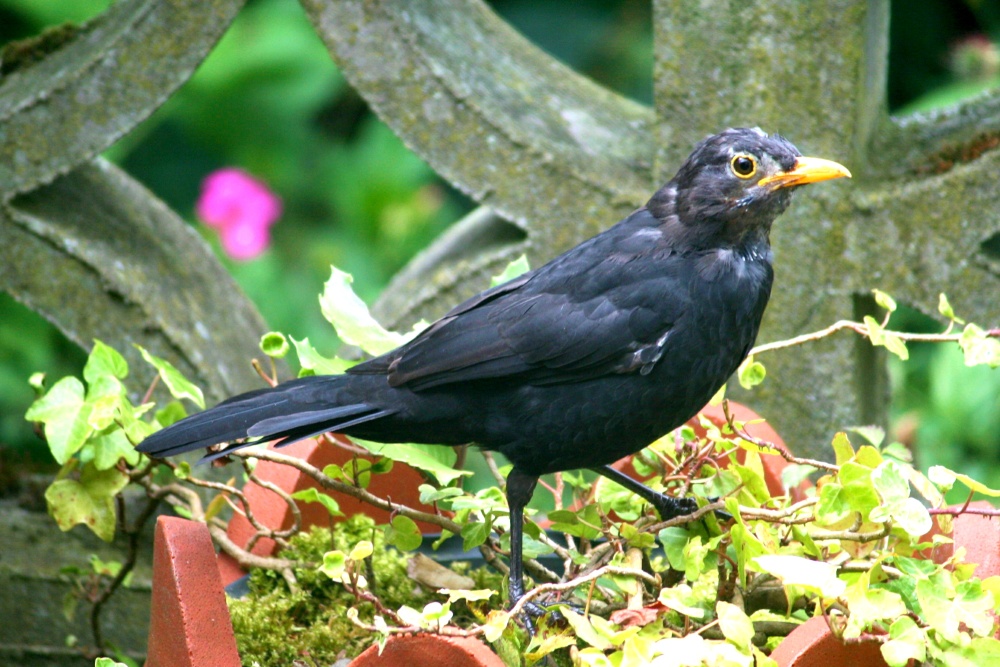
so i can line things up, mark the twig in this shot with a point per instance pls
(862, 329)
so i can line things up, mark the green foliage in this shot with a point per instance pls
(275, 625)
(90, 427)
(850, 547)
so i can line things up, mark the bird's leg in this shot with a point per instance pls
(666, 506)
(519, 489)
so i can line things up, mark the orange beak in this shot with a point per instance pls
(806, 170)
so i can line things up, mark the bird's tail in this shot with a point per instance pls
(286, 413)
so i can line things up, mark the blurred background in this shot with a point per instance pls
(270, 102)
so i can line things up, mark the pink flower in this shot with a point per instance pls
(241, 208)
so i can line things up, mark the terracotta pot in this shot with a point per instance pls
(400, 485)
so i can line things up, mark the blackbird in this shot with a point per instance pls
(577, 363)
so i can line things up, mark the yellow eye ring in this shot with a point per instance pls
(743, 165)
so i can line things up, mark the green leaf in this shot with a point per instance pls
(350, 316)
(842, 448)
(65, 415)
(794, 474)
(884, 300)
(907, 641)
(875, 435)
(179, 386)
(979, 349)
(433, 459)
(430, 495)
(584, 629)
(104, 360)
(313, 495)
(808, 574)
(89, 501)
(474, 534)
(673, 540)
(106, 450)
(496, 623)
(751, 373)
(946, 478)
(871, 605)
(584, 523)
(946, 310)
(274, 344)
(735, 625)
(890, 483)
(334, 564)
(513, 270)
(170, 413)
(108, 662)
(357, 471)
(859, 492)
(316, 363)
(361, 550)
(403, 533)
(890, 341)
(946, 610)
(468, 595)
(979, 652)
(682, 599)
(833, 506)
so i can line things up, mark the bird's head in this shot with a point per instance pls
(735, 184)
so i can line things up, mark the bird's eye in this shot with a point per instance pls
(743, 166)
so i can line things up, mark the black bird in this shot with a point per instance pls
(577, 363)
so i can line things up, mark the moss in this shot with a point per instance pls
(274, 626)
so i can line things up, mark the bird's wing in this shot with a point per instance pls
(607, 306)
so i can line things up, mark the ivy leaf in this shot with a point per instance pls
(179, 386)
(108, 662)
(890, 341)
(870, 605)
(474, 595)
(313, 495)
(907, 641)
(735, 625)
(434, 459)
(104, 360)
(842, 448)
(496, 623)
(873, 434)
(682, 599)
(65, 415)
(884, 300)
(894, 489)
(673, 540)
(403, 533)
(511, 271)
(107, 449)
(314, 362)
(474, 534)
(334, 564)
(979, 349)
(584, 629)
(430, 495)
(946, 478)
(802, 572)
(946, 310)
(89, 500)
(361, 550)
(350, 316)
(751, 373)
(946, 614)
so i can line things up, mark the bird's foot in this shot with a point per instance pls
(669, 507)
(531, 611)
